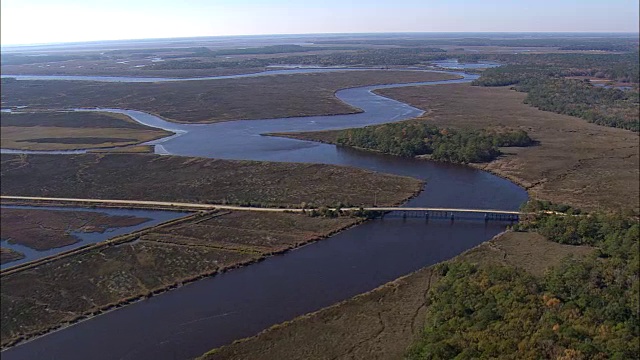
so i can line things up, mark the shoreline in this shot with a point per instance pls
(355, 298)
(478, 166)
(122, 239)
(354, 110)
(178, 283)
(23, 339)
(100, 149)
(133, 237)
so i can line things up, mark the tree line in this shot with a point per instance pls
(584, 308)
(618, 67)
(547, 90)
(415, 138)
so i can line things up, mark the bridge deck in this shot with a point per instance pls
(457, 210)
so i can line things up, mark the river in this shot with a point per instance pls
(188, 321)
(272, 71)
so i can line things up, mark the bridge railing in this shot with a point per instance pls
(451, 215)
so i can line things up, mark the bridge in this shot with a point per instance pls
(423, 212)
(447, 210)
(450, 213)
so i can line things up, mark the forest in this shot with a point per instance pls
(583, 309)
(616, 67)
(415, 138)
(548, 89)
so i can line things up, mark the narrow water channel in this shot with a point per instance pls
(154, 217)
(188, 321)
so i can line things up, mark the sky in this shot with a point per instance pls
(54, 21)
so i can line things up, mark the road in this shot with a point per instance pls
(196, 206)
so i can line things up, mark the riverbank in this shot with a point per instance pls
(379, 260)
(240, 239)
(120, 236)
(190, 178)
(46, 229)
(383, 323)
(8, 255)
(50, 130)
(199, 180)
(567, 166)
(575, 162)
(209, 101)
(330, 137)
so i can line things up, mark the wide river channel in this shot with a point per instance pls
(188, 321)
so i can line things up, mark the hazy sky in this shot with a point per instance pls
(45, 21)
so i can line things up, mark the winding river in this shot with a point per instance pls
(188, 321)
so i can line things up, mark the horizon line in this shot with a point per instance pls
(310, 34)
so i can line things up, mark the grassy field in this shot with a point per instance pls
(38, 299)
(210, 101)
(54, 130)
(44, 297)
(576, 162)
(247, 232)
(46, 229)
(180, 179)
(383, 323)
(133, 149)
(8, 255)
(113, 68)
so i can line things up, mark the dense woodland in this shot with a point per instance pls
(617, 67)
(583, 309)
(548, 89)
(415, 138)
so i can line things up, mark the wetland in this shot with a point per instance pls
(361, 258)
